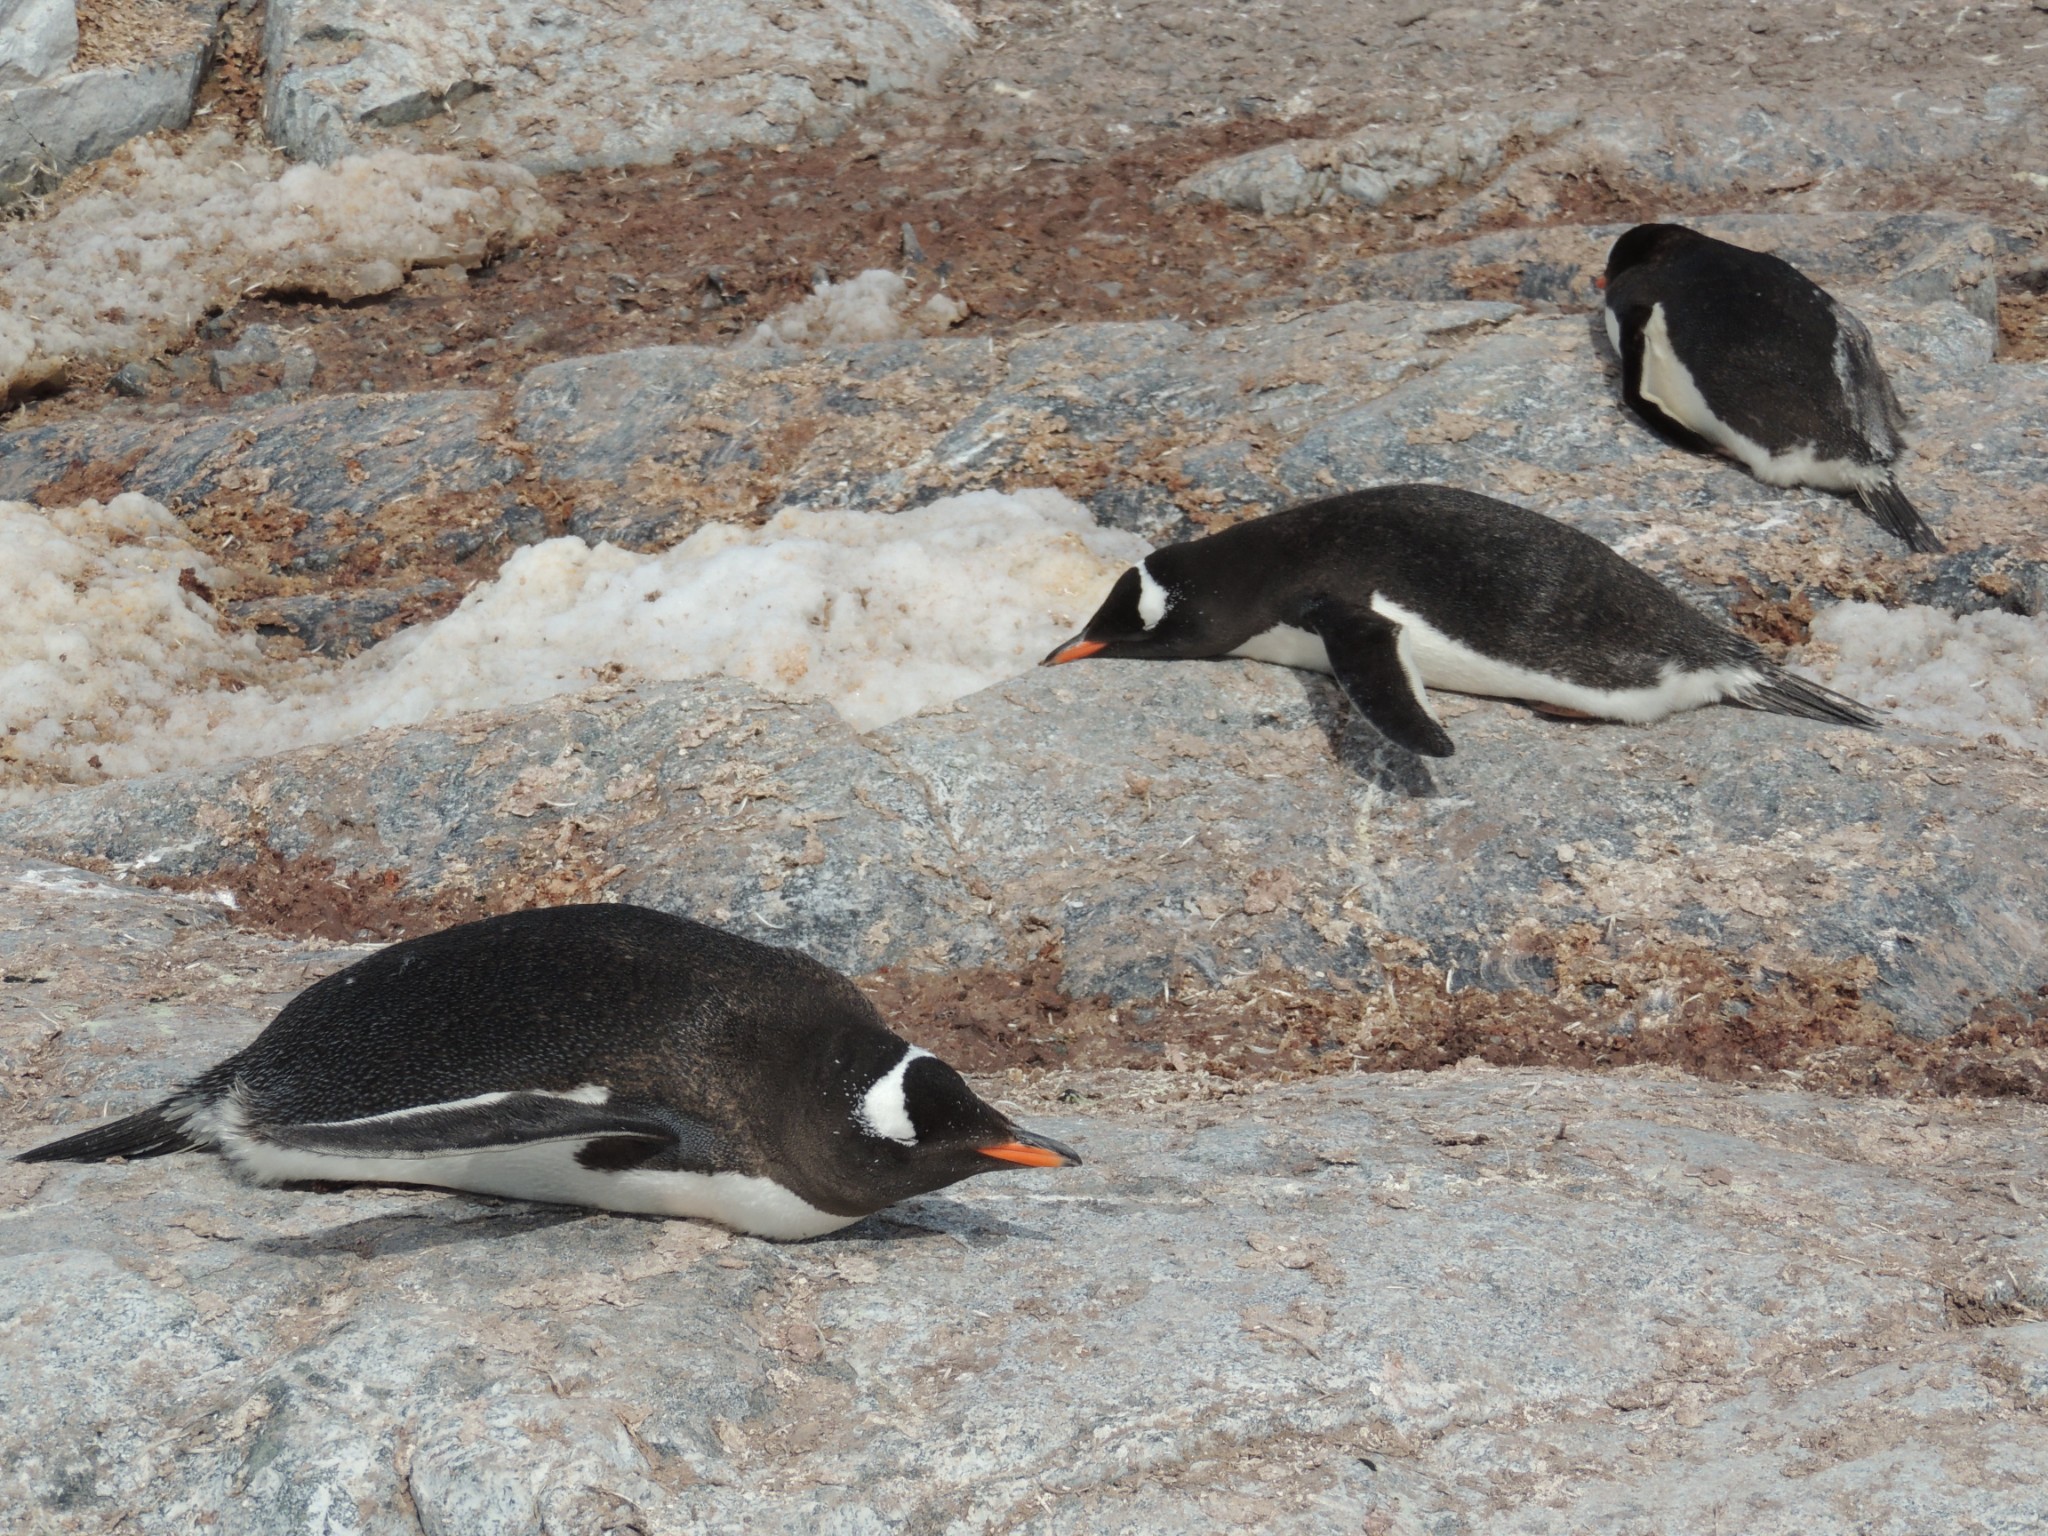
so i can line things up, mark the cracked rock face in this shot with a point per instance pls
(1364, 1302)
(582, 84)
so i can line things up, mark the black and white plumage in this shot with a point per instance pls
(1731, 349)
(609, 1056)
(1409, 587)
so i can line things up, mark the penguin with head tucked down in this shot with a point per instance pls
(1731, 349)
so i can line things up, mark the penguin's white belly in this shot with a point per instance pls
(1286, 646)
(1436, 660)
(548, 1171)
(1668, 384)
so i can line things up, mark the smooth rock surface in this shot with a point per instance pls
(38, 39)
(584, 83)
(1473, 1301)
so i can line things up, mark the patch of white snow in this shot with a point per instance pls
(156, 237)
(1975, 675)
(875, 306)
(111, 667)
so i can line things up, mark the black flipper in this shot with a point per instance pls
(1365, 657)
(1888, 506)
(620, 1135)
(1783, 694)
(150, 1133)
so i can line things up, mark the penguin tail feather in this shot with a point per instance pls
(1781, 693)
(151, 1133)
(1887, 504)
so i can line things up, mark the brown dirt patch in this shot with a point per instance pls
(306, 898)
(2023, 321)
(126, 32)
(700, 253)
(1669, 1002)
(233, 90)
(87, 479)
(1776, 624)
(1966, 1307)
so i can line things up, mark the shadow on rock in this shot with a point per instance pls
(927, 1219)
(377, 1236)
(1391, 769)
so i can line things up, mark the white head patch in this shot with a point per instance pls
(882, 1110)
(1152, 599)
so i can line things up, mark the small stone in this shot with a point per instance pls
(131, 380)
(524, 334)
(242, 366)
(433, 348)
(299, 366)
(1566, 853)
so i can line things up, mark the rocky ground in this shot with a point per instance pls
(1728, 1213)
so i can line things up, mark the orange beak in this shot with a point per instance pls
(1037, 1152)
(1073, 650)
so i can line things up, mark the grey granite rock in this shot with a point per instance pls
(1524, 158)
(1767, 143)
(1036, 809)
(1168, 421)
(1917, 258)
(1163, 821)
(898, 423)
(38, 39)
(70, 120)
(262, 353)
(343, 463)
(342, 623)
(1375, 164)
(1474, 1301)
(582, 83)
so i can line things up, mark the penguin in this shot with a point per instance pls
(606, 1055)
(1407, 587)
(1730, 349)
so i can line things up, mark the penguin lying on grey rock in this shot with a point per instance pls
(609, 1056)
(1730, 349)
(1409, 587)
